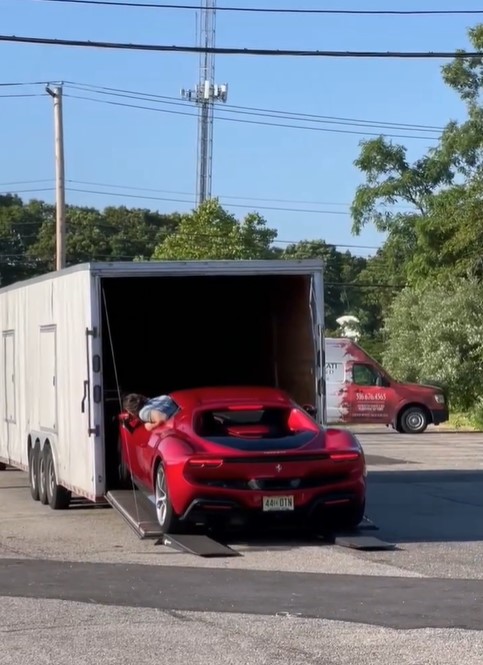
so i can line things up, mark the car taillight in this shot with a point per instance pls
(205, 463)
(344, 457)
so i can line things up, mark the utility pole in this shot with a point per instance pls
(205, 95)
(56, 94)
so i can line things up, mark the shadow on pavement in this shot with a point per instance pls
(417, 506)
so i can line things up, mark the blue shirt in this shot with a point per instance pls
(162, 403)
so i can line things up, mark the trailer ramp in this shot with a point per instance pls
(198, 544)
(137, 510)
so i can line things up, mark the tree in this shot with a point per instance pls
(19, 226)
(210, 232)
(115, 234)
(442, 190)
(434, 335)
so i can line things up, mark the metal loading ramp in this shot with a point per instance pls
(139, 513)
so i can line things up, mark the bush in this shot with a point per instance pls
(437, 332)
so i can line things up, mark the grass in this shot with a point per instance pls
(465, 422)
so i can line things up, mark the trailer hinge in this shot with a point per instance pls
(92, 332)
(94, 430)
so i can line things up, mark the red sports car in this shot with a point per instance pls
(244, 453)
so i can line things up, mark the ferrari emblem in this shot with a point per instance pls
(278, 468)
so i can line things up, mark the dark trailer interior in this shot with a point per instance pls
(165, 333)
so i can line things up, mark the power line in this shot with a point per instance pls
(252, 122)
(309, 117)
(280, 10)
(220, 50)
(91, 88)
(264, 113)
(222, 197)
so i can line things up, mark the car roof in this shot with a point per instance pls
(219, 396)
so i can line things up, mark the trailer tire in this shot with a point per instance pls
(165, 515)
(42, 476)
(413, 420)
(58, 497)
(33, 457)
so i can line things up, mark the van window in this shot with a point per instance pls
(365, 375)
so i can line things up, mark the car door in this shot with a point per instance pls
(370, 396)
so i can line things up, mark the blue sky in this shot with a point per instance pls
(125, 147)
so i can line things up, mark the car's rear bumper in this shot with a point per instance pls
(205, 509)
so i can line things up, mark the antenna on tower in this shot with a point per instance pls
(205, 95)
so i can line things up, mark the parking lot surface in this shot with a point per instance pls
(84, 572)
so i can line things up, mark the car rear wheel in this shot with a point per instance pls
(346, 518)
(167, 518)
(413, 420)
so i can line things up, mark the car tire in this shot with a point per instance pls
(3, 466)
(165, 515)
(413, 420)
(33, 457)
(347, 518)
(58, 497)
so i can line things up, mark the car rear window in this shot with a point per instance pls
(249, 429)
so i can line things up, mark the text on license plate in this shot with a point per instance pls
(278, 503)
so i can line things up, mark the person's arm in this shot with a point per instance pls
(156, 418)
(152, 416)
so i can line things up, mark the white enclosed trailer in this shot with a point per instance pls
(74, 340)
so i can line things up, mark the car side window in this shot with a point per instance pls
(365, 375)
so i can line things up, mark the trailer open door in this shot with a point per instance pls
(317, 310)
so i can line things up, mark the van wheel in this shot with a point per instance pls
(58, 497)
(413, 420)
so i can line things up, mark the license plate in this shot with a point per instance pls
(278, 503)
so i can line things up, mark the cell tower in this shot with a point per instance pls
(205, 95)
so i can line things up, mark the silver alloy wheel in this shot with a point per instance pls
(161, 497)
(415, 420)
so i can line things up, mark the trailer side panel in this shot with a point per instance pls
(43, 369)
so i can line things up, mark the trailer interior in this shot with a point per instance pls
(161, 334)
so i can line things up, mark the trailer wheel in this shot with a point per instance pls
(167, 518)
(58, 497)
(34, 472)
(41, 476)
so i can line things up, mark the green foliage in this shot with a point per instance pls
(210, 232)
(434, 335)
(115, 234)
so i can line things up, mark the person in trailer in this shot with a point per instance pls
(151, 411)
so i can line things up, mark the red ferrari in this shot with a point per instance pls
(244, 453)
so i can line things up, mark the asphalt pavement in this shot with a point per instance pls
(79, 586)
